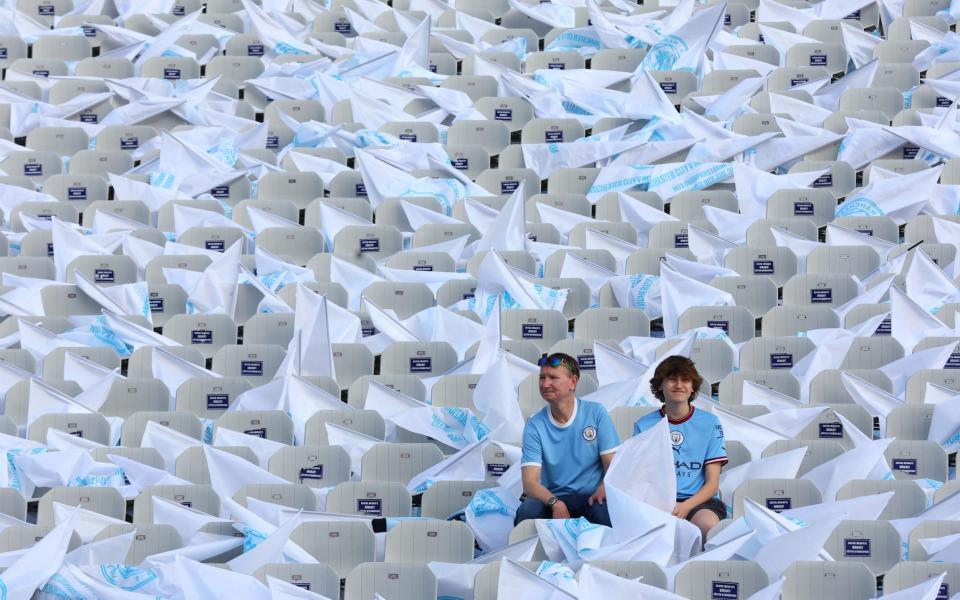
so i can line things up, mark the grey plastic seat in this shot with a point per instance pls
(136, 423)
(128, 396)
(429, 540)
(192, 462)
(875, 544)
(423, 359)
(206, 333)
(394, 580)
(775, 494)
(917, 459)
(817, 453)
(200, 497)
(542, 327)
(914, 572)
(828, 425)
(398, 462)
(21, 537)
(820, 288)
(908, 499)
(368, 498)
(89, 426)
(257, 362)
(736, 321)
(317, 578)
(291, 495)
(788, 320)
(149, 539)
(273, 425)
(103, 500)
(366, 422)
(103, 270)
(703, 579)
(828, 581)
(446, 498)
(313, 466)
(406, 299)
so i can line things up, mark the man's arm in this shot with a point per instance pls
(601, 494)
(530, 476)
(711, 483)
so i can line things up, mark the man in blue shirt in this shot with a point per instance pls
(567, 448)
(698, 445)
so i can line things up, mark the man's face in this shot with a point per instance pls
(556, 383)
(677, 389)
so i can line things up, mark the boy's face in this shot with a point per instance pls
(556, 383)
(677, 389)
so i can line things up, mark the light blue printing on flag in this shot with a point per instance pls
(126, 577)
(208, 425)
(284, 48)
(640, 285)
(558, 574)
(58, 587)
(100, 330)
(486, 501)
(12, 470)
(568, 531)
(573, 39)
(665, 54)
(162, 180)
(115, 479)
(908, 97)
(859, 207)
(251, 538)
(452, 434)
(371, 137)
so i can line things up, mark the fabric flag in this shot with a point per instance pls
(216, 289)
(507, 231)
(927, 285)
(754, 436)
(945, 426)
(495, 398)
(925, 590)
(857, 463)
(900, 198)
(455, 427)
(877, 401)
(268, 551)
(39, 563)
(641, 216)
(680, 292)
(783, 465)
(71, 244)
(173, 370)
(843, 236)
(466, 465)
(756, 394)
(651, 480)
(899, 371)
(516, 581)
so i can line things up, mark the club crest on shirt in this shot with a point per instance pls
(676, 437)
(589, 433)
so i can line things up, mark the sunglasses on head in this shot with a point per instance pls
(553, 361)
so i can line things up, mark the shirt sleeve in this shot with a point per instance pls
(716, 448)
(532, 454)
(607, 438)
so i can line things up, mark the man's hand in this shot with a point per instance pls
(681, 510)
(560, 510)
(599, 496)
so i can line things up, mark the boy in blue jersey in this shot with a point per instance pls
(567, 448)
(697, 436)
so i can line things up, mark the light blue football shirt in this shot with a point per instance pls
(569, 455)
(697, 442)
